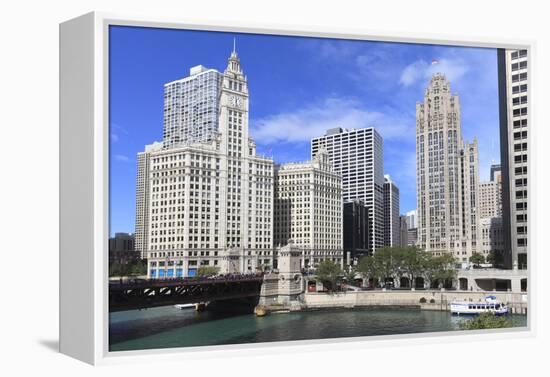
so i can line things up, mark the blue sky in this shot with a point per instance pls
(298, 88)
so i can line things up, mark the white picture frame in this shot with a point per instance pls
(84, 161)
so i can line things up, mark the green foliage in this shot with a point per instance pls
(328, 273)
(349, 276)
(477, 259)
(495, 258)
(134, 267)
(414, 262)
(409, 261)
(368, 267)
(485, 321)
(204, 271)
(440, 269)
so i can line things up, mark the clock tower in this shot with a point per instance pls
(249, 192)
(220, 212)
(234, 108)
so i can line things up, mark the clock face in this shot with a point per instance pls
(235, 101)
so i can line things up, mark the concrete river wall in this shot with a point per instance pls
(423, 299)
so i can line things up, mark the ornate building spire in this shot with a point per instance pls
(234, 63)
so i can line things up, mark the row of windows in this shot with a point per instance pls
(519, 54)
(519, 89)
(520, 65)
(520, 112)
(519, 77)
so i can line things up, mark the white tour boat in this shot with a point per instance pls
(491, 305)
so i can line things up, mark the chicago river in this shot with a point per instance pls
(167, 326)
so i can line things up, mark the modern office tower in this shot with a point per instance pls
(412, 219)
(122, 247)
(490, 199)
(491, 235)
(356, 230)
(142, 195)
(209, 203)
(490, 213)
(308, 209)
(412, 226)
(412, 236)
(496, 173)
(191, 107)
(392, 236)
(357, 156)
(447, 175)
(513, 93)
(403, 231)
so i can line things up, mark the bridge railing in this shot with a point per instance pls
(136, 283)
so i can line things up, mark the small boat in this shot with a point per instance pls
(184, 306)
(282, 311)
(491, 305)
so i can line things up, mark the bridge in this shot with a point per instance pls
(148, 293)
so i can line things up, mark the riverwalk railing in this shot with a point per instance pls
(426, 300)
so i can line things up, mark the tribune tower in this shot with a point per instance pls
(447, 175)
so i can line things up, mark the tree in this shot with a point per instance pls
(139, 267)
(485, 321)
(495, 258)
(368, 268)
(398, 255)
(477, 259)
(124, 268)
(349, 275)
(415, 262)
(328, 273)
(387, 261)
(205, 271)
(440, 269)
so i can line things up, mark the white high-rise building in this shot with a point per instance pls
(357, 156)
(513, 87)
(412, 219)
(447, 175)
(142, 198)
(191, 107)
(309, 210)
(208, 197)
(392, 222)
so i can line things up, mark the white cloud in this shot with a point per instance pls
(313, 120)
(421, 70)
(413, 72)
(120, 129)
(331, 50)
(121, 158)
(114, 137)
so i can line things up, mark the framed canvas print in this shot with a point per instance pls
(229, 187)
